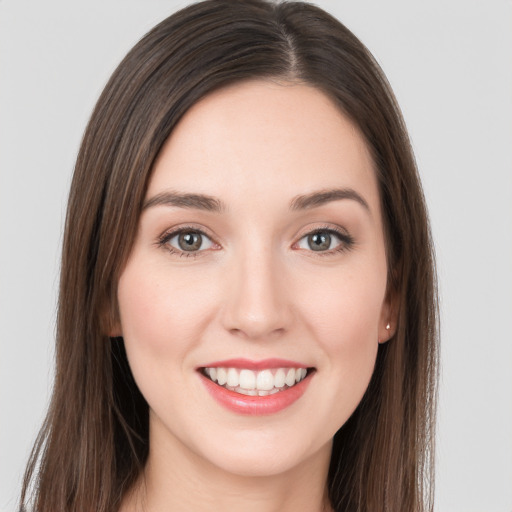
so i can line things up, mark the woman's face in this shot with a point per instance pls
(259, 258)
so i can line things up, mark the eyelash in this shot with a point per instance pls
(346, 241)
(164, 239)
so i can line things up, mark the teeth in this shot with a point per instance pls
(222, 376)
(290, 377)
(261, 383)
(265, 381)
(250, 392)
(279, 378)
(247, 379)
(299, 375)
(233, 379)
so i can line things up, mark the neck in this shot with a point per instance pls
(177, 479)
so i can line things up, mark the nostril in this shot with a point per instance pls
(257, 332)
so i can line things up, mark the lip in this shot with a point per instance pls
(255, 405)
(264, 364)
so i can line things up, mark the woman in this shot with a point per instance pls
(247, 312)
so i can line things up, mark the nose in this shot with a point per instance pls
(257, 303)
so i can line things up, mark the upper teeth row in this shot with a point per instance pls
(264, 380)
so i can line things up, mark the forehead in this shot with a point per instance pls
(263, 138)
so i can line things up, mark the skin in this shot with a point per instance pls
(254, 290)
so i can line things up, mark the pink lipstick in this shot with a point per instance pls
(256, 387)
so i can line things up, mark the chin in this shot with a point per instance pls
(264, 455)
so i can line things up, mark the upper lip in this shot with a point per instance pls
(249, 364)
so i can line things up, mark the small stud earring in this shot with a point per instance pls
(388, 327)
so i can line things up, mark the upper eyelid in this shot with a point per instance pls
(343, 237)
(164, 239)
(337, 230)
(176, 230)
(346, 240)
(331, 228)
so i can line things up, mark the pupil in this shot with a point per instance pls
(190, 241)
(319, 241)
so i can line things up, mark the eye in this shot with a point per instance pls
(325, 240)
(187, 241)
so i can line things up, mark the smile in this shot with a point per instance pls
(256, 387)
(256, 383)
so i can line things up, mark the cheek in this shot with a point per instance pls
(161, 312)
(342, 313)
(144, 309)
(346, 306)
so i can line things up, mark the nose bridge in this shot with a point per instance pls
(257, 305)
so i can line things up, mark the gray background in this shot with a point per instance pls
(450, 64)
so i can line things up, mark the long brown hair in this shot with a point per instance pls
(94, 442)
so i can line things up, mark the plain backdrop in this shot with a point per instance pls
(450, 64)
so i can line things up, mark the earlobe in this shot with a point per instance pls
(389, 317)
(388, 334)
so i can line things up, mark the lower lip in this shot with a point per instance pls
(256, 405)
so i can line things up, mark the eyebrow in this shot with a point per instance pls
(212, 204)
(321, 197)
(192, 201)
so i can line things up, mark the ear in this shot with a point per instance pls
(389, 315)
